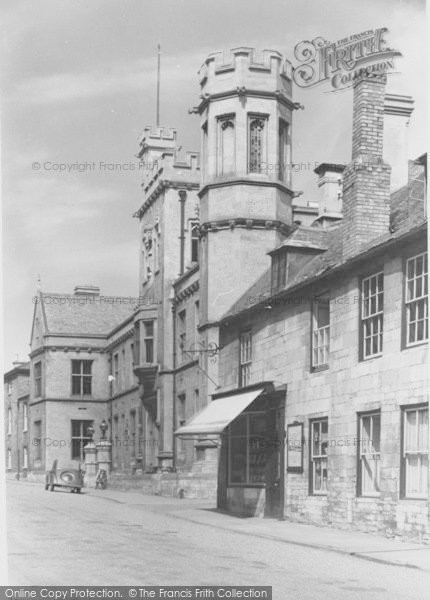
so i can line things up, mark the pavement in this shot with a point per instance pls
(366, 546)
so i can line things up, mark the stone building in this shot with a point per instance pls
(274, 358)
(16, 419)
(322, 329)
(69, 371)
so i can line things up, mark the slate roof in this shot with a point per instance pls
(406, 215)
(75, 314)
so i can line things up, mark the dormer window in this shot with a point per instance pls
(279, 270)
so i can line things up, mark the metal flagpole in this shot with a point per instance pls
(158, 84)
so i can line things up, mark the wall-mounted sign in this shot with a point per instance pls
(342, 61)
(295, 448)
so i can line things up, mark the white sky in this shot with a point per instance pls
(79, 85)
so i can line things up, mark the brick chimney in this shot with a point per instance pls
(366, 180)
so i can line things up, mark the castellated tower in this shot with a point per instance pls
(245, 196)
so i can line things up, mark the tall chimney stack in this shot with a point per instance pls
(366, 180)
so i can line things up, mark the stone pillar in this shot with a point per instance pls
(104, 456)
(90, 462)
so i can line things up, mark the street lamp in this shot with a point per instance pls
(103, 428)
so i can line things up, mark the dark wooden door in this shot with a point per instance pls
(275, 468)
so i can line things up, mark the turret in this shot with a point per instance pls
(245, 197)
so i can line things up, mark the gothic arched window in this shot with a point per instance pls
(257, 146)
(226, 146)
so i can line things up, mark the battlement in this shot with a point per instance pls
(245, 67)
(159, 133)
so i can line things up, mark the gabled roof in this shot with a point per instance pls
(406, 216)
(91, 315)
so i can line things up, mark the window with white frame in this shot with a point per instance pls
(25, 416)
(369, 454)
(9, 458)
(415, 455)
(9, 421)
(245, 358)
(9, 388)
(81, 377)
(25, 458)
(226, 145)
(372, 315)
(38, 379)
(416, 299)
(257, 147)
(318, 456)
(320, 332)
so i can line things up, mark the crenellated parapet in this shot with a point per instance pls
(156, 140)
(264, 70)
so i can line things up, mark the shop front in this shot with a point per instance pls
(248, 425)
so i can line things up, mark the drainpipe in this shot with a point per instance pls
(182, 198)
(174, 387)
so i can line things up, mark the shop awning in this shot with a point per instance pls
(218, 414)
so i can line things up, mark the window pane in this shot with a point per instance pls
(76, 384)
(76, 367)
(76, 449)
(87, 367)
(316, 439)
(76, 428)
(323, 315)
(87, 385)
(410, 430)
(423, 430)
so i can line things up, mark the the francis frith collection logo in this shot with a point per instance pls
(340, 62)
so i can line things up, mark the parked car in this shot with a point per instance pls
(70, 478)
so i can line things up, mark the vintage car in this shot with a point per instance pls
(70, 478)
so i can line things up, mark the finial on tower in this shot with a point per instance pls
(38, 282)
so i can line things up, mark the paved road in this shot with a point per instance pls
(61, 538)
